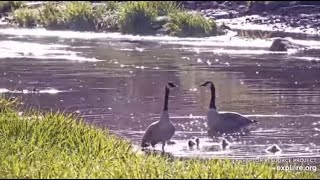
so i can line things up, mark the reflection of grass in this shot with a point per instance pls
(56, 145)
(255, 34)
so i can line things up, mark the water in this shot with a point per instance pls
(240, 23)
(117, 82)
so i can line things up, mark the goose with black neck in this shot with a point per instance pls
(223, 122)
(160, 131)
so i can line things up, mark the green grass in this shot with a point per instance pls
(75, 15)
(27, 17)
(140, 18)
(8, 6)
(80, 16)
(57, 145)
(130, 17)
(111, 5)
(52, 16)
(185, 24)
(137, 17)
(107, 16)
(164, 8)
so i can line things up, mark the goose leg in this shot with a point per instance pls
(163, 144)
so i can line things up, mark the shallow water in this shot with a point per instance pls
(117, 81)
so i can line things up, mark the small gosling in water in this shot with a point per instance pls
(193, 141)
(273, 149)
(224, 144)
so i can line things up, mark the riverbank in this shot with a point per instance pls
(250, 19)
(138, 18)
(266, 16)
(56, 145)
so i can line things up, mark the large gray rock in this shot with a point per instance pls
(283, 45)
(279, 45)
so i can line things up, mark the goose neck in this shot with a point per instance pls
(213, 97)
(166, 99)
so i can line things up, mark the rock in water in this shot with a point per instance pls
(283, 45)
(278, 45)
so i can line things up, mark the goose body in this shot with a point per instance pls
(227, 122)
(160, 131)
(224, 122)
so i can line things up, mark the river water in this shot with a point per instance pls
(117, 82)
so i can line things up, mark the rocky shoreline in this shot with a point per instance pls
(294, 14)
(280, 15)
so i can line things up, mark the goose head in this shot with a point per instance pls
(211, 85)
(213, 94)
(207, 83)
(168, 87)
(171, 85)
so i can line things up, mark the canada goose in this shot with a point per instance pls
(193, 141)
(273, 149)
(162, 130)
(34, 91)
(224, 144)
(226, 122)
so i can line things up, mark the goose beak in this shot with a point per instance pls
(206, 83)
(172, 85)
(203, 84)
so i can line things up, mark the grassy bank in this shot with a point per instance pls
(54, 145)
(129, 17)
(9, 6)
